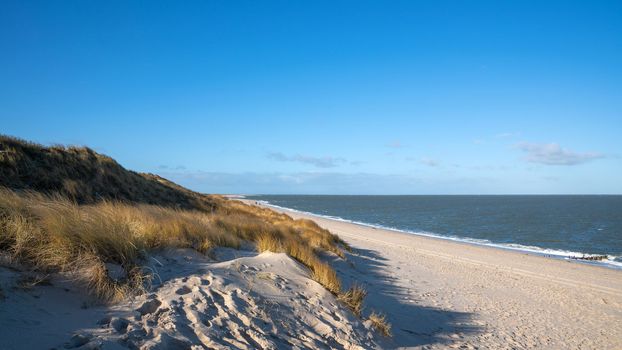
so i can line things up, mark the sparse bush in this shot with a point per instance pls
(380, 323)
(353, 298)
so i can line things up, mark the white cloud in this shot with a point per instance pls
(320, 162)
(554, 154)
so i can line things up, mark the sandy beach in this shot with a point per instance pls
(236, 300)
(445, 294)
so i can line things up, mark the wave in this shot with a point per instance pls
(612, 261)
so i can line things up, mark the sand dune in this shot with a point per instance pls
(249, 301)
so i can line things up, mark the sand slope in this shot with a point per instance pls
(443, 294)
(265, 301)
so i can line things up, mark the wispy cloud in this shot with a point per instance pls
(496, 138)
(425, 161)
(481, 167)
(321, 183)
(554, 154)
(320, 162)
(166, 167)
(550, 178)
(395, 144)
(505, 135)
(302, 182)
(429, 162)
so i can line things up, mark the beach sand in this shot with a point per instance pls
(436, 293)
(237, 300)
(445, 294)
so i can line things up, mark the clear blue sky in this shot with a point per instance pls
(352, 97)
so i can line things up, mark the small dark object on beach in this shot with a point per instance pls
(593, 257)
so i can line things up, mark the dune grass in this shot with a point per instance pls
(87, 177)
(353, 298)
(320, 271)
(380, 323)
(51, 233)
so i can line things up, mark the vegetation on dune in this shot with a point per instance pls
(83, 175)
(72, 210)
(52, 233)
(380, 323)
(353, 298)
(289, 244)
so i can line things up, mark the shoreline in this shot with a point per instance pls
(441, 240)
(441, 293)
(549, 253)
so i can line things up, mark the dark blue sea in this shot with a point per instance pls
(561, 226)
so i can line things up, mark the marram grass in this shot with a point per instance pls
(54, 234)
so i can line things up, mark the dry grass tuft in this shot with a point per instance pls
(380, 323)
(268, 242)
(320, 271)
(353, 298)
(326, 276)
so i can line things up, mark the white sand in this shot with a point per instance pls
(443, 294)
(264, 301)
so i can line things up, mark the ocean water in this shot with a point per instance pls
(559, 226)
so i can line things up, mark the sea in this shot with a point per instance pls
(563, 227)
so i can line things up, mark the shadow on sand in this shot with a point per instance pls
(413, 325)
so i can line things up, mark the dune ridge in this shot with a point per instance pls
(72, 217)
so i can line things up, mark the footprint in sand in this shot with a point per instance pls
(165, 341)
(120, 324)
(217, 296)
(183, 290)
(149, 307)
(77, 341)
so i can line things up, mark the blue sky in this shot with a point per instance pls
(348, 97)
